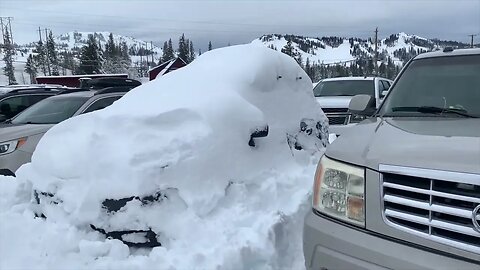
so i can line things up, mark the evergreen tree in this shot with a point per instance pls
(199, 52)
(183, 49)
(9, 70)
(191, 51)
(299, 59)
(288, 49)
(310, 70)
(52, 60)
(111, 49)
(40, 57)
(90, 61)
(210, 46)
(168, 53)
(31, 68)
(163, 58)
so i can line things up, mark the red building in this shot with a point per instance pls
(166, 67)
(74, 80)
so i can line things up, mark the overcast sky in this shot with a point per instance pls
(235, 21)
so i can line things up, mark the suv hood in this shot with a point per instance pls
(10, 132)
(334, 102)
(443, 144)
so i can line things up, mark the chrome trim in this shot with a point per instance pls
(466, 178)
(433, 192)
(475, 219)
(428, 205)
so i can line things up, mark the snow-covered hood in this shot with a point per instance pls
(429, 143)
(334, 102)
(12, 132)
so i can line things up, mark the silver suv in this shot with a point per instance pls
(402, 190)
(334, 95)
(20, 135)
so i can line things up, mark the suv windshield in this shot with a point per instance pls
(442, 86)
(51, 110)
(344, 88)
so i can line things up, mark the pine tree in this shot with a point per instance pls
(40, 57)
(168, 53)
(31, 68)
(199, 52)
(210, 46)
(163, 58)
(90, 62)
(9, 70)
(183, 49)
(111, 49)
(52, 60)
(191, 51)
(299, 59)
(288, 49)
(171, 52)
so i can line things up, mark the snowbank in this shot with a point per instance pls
(180, 149)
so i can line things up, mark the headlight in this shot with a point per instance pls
(339, 191)
(9, 147)
(355, 118)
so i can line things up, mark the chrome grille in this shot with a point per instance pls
(439, 210)
(337, 120)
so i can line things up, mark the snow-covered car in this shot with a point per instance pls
(334, 95)
(209, 156)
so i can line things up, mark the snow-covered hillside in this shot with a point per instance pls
(329, 50)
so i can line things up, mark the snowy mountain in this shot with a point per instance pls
(330, 50)
(74, 39)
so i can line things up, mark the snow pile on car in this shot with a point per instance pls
(179, 155)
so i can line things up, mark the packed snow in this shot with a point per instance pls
(223, 199)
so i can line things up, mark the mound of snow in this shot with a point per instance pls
(179, 151)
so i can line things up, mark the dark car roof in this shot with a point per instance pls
(33, 91)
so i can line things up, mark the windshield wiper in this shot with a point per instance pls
(434, 110)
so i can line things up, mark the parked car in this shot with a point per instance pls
(402, 189)
(20, 135)
(15, 99)
(99, 83)
(334, 95)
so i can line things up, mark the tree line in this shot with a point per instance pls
(47, 58)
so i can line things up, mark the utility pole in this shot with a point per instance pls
(6, 26)
(40, 34)
(471, 43)
(375, 58)
(46, 50)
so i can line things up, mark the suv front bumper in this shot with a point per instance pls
(328, 244)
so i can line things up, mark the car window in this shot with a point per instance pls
(51, 110)
(445, 82)
(11, 106)
(101, 103)
(36, 98)
(344, 88)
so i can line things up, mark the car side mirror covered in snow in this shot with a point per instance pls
(362, 105)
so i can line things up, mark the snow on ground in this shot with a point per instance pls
(223, 204)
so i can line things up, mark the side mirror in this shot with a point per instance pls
(384, 93)
(362, 105)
